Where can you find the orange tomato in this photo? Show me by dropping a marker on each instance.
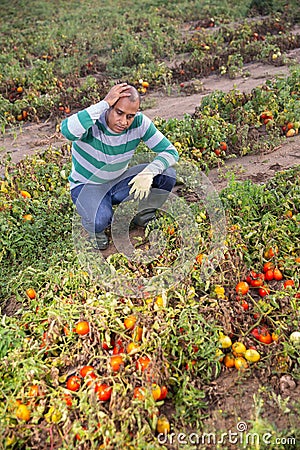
(33, 391)
(142, 363)
(87, 370)
(116, 362)
(130, 322)
(139, 393)
(27, 217)
(145, 84)
(223, 146)
(163, 425)
(137, 334)
(82, 327)
(156, 391)
(19, 89)
(289, 283)
(23, 412)
(275, 336)
(25, 194)
(242, 288)
(31, 293)
(199, 258)
(131, 347)
(271, 252)
(277, 274)
(240, 363)
(229, 360)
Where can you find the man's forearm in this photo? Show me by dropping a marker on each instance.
(75, 126)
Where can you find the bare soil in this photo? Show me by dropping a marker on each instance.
(231, 396)
(36, 137)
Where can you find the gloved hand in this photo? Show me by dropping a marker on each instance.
(141, 184)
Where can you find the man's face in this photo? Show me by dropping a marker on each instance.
(121, 115)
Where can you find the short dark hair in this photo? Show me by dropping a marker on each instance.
(134, 94)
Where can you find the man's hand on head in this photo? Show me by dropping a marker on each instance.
(118, 91)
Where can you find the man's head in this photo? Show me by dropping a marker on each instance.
(121, 115)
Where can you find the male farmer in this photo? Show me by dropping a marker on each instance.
(104, 138)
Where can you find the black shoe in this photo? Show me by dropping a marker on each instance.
(143, 218)
(99, 241)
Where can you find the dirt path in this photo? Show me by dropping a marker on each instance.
(34, 138)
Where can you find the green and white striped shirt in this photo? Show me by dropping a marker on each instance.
(100, 155)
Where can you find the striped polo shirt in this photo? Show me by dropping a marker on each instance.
(100, 155)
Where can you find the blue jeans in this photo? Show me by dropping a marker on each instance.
(94, 202)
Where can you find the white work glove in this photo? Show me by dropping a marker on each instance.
(141, 184)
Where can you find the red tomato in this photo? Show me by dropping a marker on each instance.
(255, 332)
(105, 345)
(73, 383)
(289, 283)
(163, 393)
(252, 276)
(268, 266)
(118, 347)
(245, 305)
(263, 291)
(262, 335)
(103, 391)
(269, 275)
(68, 399)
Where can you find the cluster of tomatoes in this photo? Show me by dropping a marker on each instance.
(117, 351)
(291, 128)
(222, 148)
(259, 281)
(142, 86)
(237, 355)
